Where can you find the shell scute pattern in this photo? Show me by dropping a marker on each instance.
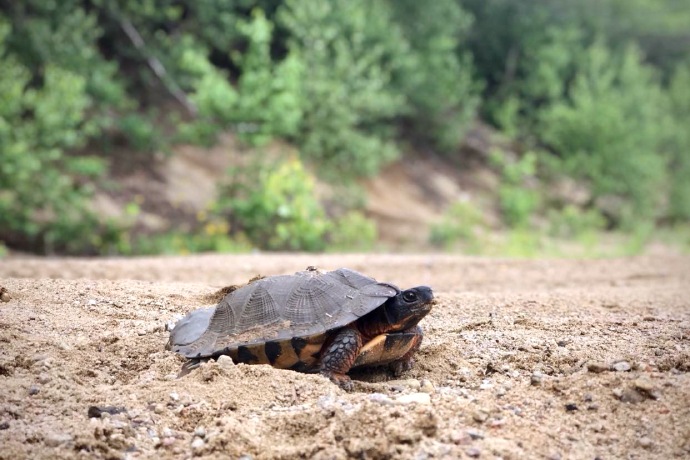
(286, 306)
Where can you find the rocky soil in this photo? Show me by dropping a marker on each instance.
(549, 359)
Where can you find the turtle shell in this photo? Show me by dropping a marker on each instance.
(279, 308)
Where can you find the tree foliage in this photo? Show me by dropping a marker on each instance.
(598, 85)
(610, 130)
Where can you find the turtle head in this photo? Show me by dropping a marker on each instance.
(408, 307)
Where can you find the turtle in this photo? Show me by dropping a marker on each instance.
(313, 321)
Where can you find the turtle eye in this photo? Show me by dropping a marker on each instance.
(409, 296)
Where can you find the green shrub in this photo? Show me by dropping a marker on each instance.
(179, 242)
(270, 99)
(517, 199)
(679, 144)
(140, 132)
(436, 74)
(275, 207)
(608, 132)
(43, 197)
(266, 102)
(352, 232)
(572, 222)
(461, 225)
(350, 49)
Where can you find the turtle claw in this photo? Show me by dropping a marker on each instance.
(401, 366)
(342, 380)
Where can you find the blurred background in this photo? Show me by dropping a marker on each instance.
(497, 127)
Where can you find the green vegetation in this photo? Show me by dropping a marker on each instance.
(518, 199)
(462, 225)
(275, 207)
(593, 91)
(610, 131)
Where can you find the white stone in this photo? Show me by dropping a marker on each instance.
(414, 398)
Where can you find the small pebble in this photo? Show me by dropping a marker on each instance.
(473, 452)
(198, 444)
(645, 442)
(554, 456)
(497, 422)
(200, 432)
(174, 396)
(401, 384)
(621, 366)
(617, 392)
(64, 346)
(380, 398)
(57, 439)
(225, 362)
(414, 398)
(536, 378)
(43, 379)
(141, 332)
(458, 437)
(562, 343)
(597, 367)
(4, 295)
(427, 387)
(4, 425)
(34, 390)
(475, 434)
(632, 396)
(646, 387)
(480, 416)
(159, 408)
(571, 407)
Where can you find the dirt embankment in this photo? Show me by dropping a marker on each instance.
(521, 359)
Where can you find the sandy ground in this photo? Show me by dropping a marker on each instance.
(521, 359)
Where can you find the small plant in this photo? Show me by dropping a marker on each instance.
(461, 225)
(352, 232)
(140, 132)
(518, 201)
(275, 206)
(43, 191)
(178, 242)
(573, 222)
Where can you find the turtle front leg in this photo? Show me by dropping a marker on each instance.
(339, 357)
(405, 363)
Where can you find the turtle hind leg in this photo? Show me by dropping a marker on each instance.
(339, 357)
